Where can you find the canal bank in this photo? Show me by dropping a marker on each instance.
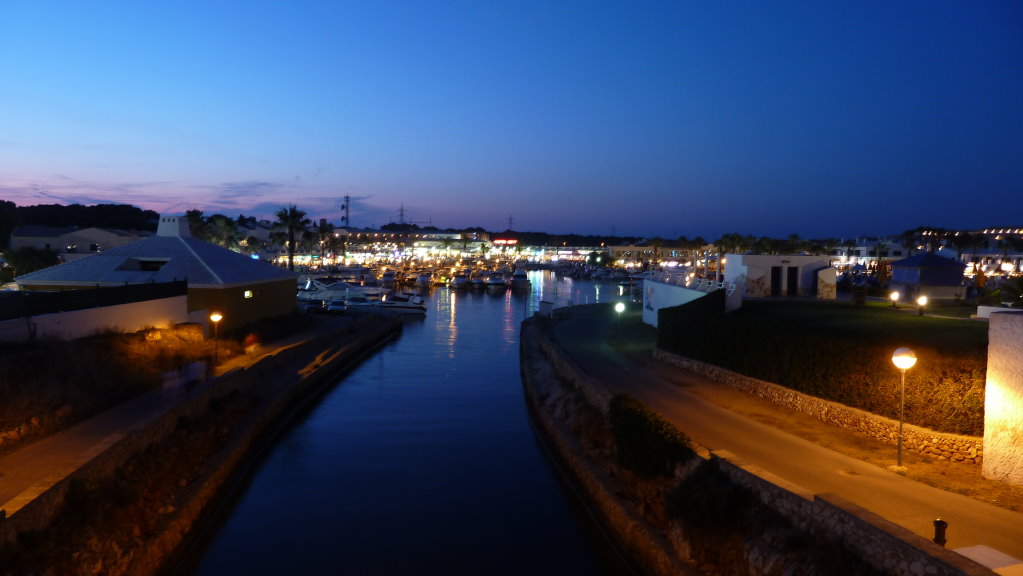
(715, 512)
(423, 462)
(128, 503)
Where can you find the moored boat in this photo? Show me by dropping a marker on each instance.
(519, 279)
(397, 303)
(496, 280)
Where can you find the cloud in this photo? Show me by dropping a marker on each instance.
(249, 189)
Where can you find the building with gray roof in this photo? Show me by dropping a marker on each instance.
(243, 290)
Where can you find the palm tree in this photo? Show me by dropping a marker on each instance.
(291, 223)
(334, 244)
(324, 232)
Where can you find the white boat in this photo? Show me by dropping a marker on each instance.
(397, 304)
(320, 289)
(519, 279)
(478, 280)
(459, 280)
(403, 304)
(496, 280)
(424, 278)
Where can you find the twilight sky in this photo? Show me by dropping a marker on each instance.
(823, 119)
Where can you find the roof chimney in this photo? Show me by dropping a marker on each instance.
(174, 226)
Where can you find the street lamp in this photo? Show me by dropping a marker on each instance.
(895, 298)
(904, 359)
(216, 317)
(619, 308)
(920, 303)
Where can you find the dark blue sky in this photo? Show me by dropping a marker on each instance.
(638, 118)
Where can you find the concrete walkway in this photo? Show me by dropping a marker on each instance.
(33, 469)
(974, 527)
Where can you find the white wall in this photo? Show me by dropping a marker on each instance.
(124, 317)
(1003, 400)
(657, 296)
(757, 269)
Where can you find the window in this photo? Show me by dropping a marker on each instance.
(145, 265)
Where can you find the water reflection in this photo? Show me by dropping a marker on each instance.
(421, 461)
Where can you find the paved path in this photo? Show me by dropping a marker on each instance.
(31, 470)
(900, 500)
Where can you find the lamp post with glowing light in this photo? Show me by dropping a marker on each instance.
(216, 317)
(619, 308)
(904, 359)
(895, 298)
(920, 303)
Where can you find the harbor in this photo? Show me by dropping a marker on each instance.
(422, 460)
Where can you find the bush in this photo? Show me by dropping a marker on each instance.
(646, 443)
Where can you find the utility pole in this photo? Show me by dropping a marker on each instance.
(346, 207)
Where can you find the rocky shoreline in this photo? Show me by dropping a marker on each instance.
(132, 509)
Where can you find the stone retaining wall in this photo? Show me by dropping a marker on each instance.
(545, 385)
(329, 354)
(886, 546)
(939, 445)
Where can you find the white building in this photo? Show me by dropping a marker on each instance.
(773, 275)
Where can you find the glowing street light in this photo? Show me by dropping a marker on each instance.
(920, 303)
(619, 308)
(904, 359)
(216, 317)
(895, 298)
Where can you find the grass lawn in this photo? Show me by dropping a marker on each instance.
(840, 352)
(876, 321)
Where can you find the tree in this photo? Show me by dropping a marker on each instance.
(324, 233)
(252, 245)
(10, 218)
(1012, 291)
(223, 231)
(291, 224)
(334, 244)
(25, 260)
(196, 223)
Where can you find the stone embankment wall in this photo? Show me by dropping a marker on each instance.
(887, 547)
(560, 395)
(290, 378)
(939, 445)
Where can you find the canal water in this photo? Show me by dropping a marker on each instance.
(420, 461)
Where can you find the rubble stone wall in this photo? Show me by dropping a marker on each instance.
(938, 445)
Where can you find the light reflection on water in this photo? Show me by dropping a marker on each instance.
(421, 461)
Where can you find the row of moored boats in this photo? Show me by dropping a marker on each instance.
(359, 289)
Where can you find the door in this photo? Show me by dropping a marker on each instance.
(792, 282)
(775, 280)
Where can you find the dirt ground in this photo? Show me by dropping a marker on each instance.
(965, 479)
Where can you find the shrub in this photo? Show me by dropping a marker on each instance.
(646, 443)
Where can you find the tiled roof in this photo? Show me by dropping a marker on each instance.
(927, 260)
(159, 259)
